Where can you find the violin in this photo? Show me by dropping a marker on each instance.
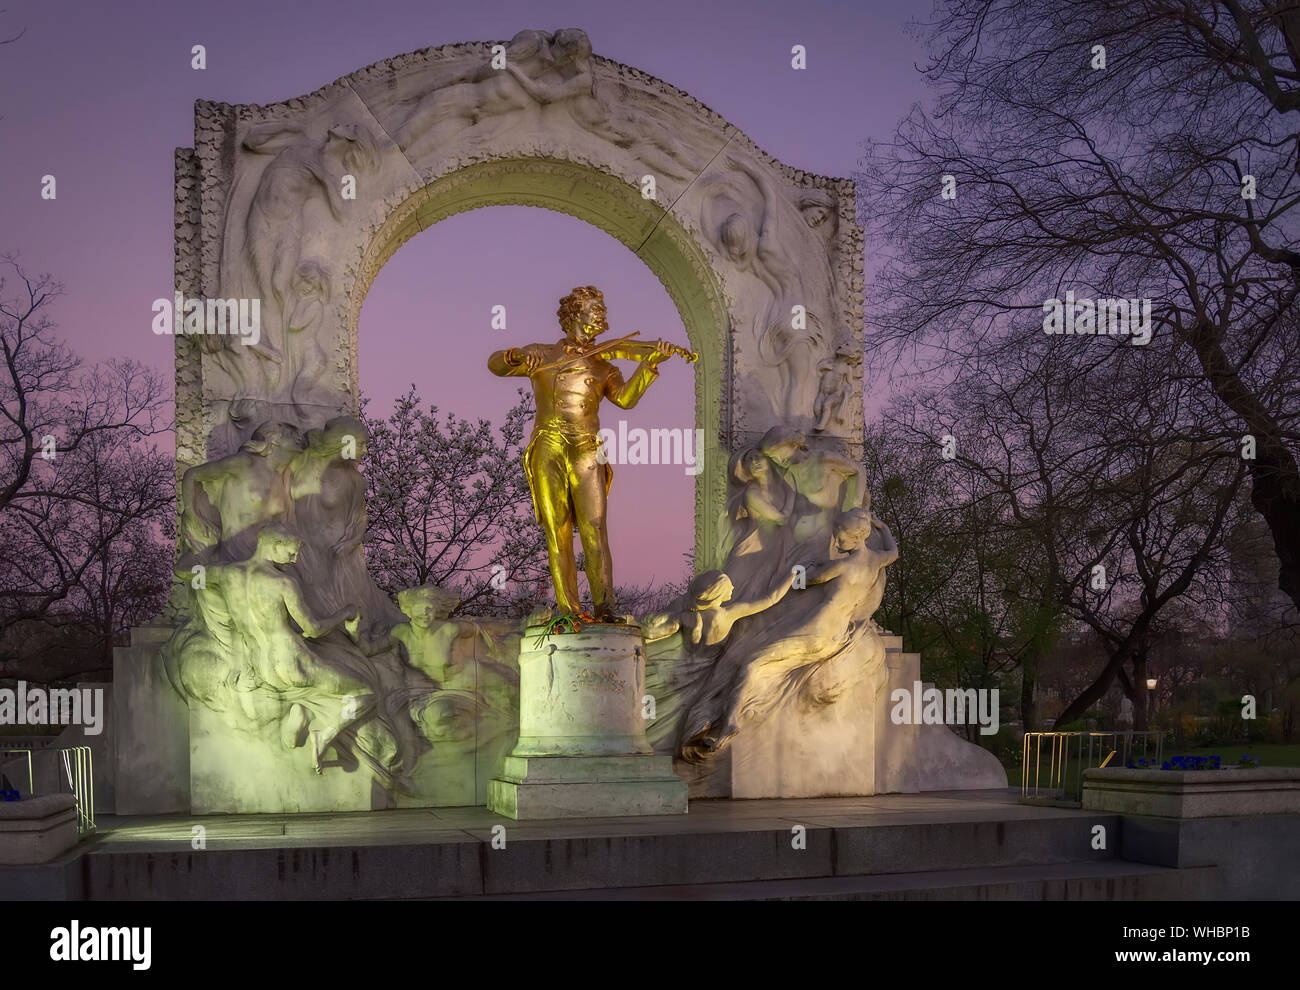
(629, 350)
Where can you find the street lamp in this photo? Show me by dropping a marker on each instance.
(1151, 705)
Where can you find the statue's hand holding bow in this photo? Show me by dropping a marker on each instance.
(519, 357)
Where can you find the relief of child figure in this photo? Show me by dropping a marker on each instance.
(427, 641)
(834, 386)
(706, 614)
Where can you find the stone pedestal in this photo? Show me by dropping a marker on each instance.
(896, 770)
(582, 749)
(919, 758)
(807, 752)
(1230, 792)
(852, 747)
(151, 730)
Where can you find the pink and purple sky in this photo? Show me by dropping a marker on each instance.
(98, 95)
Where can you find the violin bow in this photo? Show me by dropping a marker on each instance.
(595, 348)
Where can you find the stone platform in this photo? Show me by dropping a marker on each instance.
(955, 845)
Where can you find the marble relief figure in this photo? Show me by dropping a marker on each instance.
(796, 644)
(329, 505)
(708, 612)
(760, 506)
(225, 501)
(289, 639)
(465, 688)
(298, 196)
(257, 633)
(753, 222)
(481, 98)
(303, 362)
(566, 78)
(789, 614)
(835, 388)
(288, 635)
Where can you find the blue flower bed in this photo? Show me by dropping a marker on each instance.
(1191, 763)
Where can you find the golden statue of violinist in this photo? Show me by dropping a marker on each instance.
(568, 481)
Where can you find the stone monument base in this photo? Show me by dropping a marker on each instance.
(534, 787)
(850, 748)
(232, 774)
(582, 749)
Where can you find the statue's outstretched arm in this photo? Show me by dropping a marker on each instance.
(890, 544)
(661, 625)
(830, 570)
(742, 609)
(513, 361)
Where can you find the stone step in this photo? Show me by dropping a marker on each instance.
(1104, 881)
(390, 856)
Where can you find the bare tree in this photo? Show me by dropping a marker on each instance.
(1092, 457)
(449, 504)
(966, 591)
(1117, 149)
(111, 545)
(69, 451)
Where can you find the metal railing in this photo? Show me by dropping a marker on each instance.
(26, 751)
(78, 769)
(1058, 773)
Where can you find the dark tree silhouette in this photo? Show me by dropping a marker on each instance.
(1117, 149)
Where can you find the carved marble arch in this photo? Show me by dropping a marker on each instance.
(739, 240)
(621, 211)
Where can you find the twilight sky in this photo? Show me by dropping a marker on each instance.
(98, 95)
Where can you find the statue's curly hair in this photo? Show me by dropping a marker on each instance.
(571, 305)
